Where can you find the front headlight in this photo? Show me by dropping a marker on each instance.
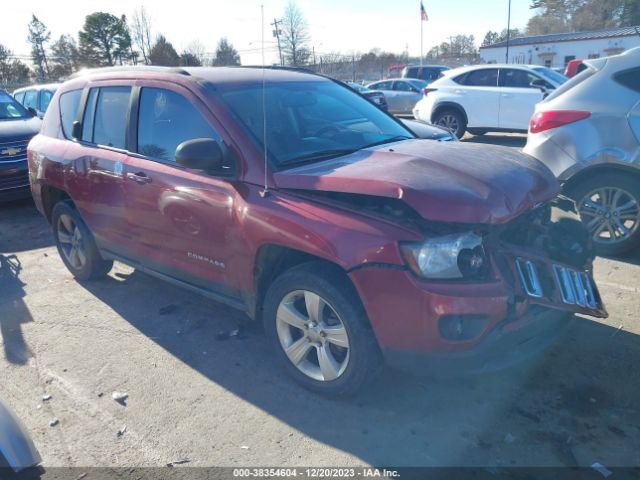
(458, 255)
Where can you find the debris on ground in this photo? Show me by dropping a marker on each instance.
(53, 422)
(235, 333)
(100, 394)
(121, 431)
(81, 476)
(244, 447)
(604, 471)
(508, 438)
(46, 397)
(178, 462)
(120, 397)
(168, 309)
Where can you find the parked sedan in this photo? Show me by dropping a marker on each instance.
(401, 93)
(36, 97)
(592, 143)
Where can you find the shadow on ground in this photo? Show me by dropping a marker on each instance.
(576, 401)
(515, 141)
(29, 229)
(14, 311)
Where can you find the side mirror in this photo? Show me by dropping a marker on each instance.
(539, 84)
(199, 154)
(76, 130)
(32, 111)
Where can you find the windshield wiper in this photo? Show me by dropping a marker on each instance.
(397, 138)
(316, 156)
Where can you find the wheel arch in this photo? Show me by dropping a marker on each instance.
(449, 105)
(50, 196)
(570, 185)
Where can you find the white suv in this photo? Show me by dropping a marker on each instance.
(484, 98)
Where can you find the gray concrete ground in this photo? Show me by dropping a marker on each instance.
(225, 402)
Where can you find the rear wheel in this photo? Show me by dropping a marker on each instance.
(75, 244)
(609, 206)
(451, 119)
(318, 327)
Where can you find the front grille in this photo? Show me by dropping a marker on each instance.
(576, 288)
(571, 287)
(18, 181)
(13, 151)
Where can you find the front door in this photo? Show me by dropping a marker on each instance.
(517, 98)
(181, 218)
(406, 96)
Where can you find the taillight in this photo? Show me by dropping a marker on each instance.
(542, 121)
(426, 90)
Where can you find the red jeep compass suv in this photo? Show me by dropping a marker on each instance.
(289, 196)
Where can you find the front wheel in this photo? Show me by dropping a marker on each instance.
(452, 120)
(609, 206)
(319, 329)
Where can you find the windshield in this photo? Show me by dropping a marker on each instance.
(572, 82)
(10, 109)
(551, 75)
(310, 121)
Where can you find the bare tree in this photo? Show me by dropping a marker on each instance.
(295, 35)
(141, 32)
(196, 50)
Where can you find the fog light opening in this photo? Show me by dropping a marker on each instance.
(459, 328)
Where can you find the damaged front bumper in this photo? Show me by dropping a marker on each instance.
(541, 276)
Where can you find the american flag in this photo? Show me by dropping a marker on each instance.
(423, 13)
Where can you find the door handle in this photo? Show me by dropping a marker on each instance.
(140, 177)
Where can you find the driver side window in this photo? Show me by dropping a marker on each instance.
(166, 119)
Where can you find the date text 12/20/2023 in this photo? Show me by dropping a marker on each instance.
(324, 472)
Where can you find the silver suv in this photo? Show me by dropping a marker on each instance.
(588, 133)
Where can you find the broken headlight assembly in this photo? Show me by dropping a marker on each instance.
(447, 257)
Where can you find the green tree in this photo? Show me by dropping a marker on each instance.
(65, 58)
(189, 60)
(630, 14)
(163, 53)
(490, 38)
(226, 54)
(104, 40)
(38, 36)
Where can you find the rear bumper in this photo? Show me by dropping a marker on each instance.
(510, 343)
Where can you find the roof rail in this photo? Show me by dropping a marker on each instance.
(280, 67)
(129, 68)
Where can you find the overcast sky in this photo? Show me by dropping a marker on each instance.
(335, 25)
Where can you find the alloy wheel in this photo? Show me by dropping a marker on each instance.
(312, 335)
(71, 241)
(449, 121)
(611, 214)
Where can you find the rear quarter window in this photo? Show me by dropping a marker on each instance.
(572, 82)
(69, 103)
(629, 79)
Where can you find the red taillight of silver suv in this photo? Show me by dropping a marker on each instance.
(542, 121)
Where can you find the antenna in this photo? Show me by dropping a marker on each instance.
(265, 192)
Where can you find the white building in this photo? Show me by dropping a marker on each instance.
(557, 50)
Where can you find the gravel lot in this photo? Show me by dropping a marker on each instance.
(195, 397)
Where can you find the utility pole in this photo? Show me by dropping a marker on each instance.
(508, 32)
(276, 33)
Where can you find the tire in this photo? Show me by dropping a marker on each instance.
(477, 133)
(451, 119)
(71, 233)
(611, 192)
(291, 291)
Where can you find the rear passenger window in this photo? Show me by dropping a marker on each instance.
(487, 77)
(31, 99)
(69, 103)
(110, 123)
(166, 119)
(630, 79)
(45, 100)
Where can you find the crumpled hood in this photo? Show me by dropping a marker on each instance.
(447, 182)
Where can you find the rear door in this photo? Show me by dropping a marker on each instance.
(406, 96)
(479, 95)
(386, 87)
(181, 218)
(517, 98)
(99, 159)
